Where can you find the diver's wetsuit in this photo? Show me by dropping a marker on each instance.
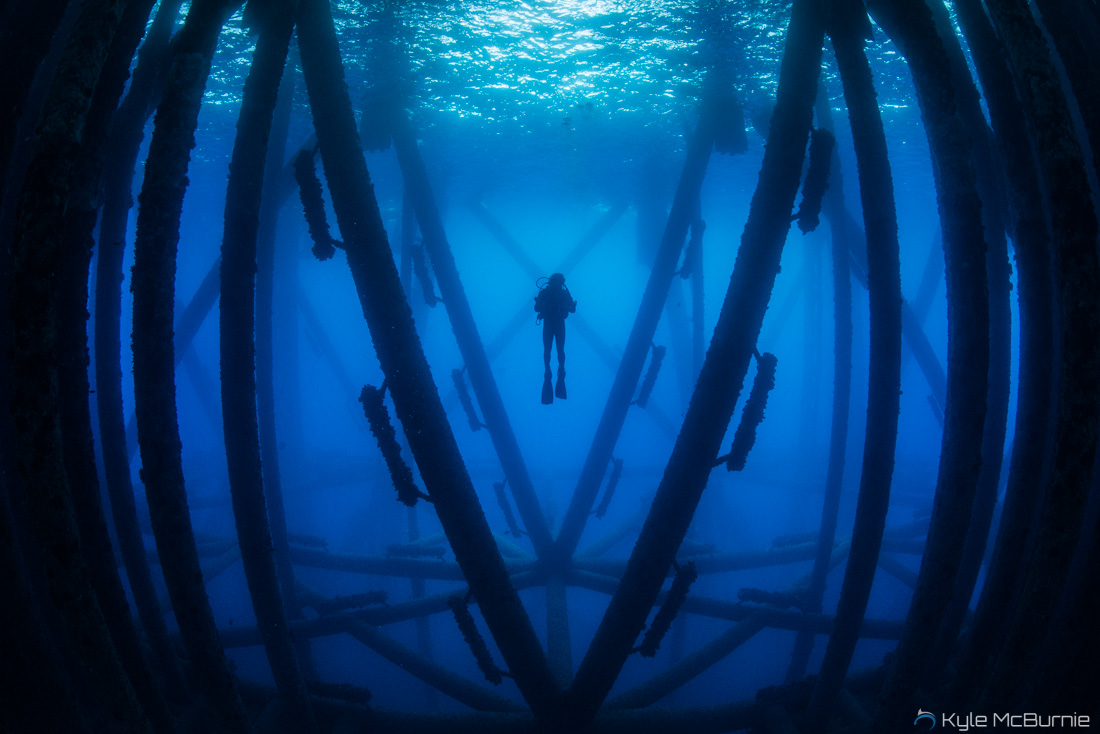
(553, 304)
(553, 328)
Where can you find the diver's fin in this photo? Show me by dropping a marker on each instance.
(547, 390)
(559, 389)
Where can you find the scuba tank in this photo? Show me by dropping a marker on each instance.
(553, 299)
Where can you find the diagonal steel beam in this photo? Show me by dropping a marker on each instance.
(466, 334)
(724, 368)
(911, 329)
(402, 359)
(442, 679)
(523, 314)
(377, 616)
(641, 336)
(522, 317)
(670, 679)
(322, 344)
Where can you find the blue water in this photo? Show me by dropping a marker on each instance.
(548, 113)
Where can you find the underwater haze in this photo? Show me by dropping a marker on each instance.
(643, 150)
(546, 116)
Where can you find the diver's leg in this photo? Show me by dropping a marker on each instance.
(547, 341)
(559, 335)
(559, 330)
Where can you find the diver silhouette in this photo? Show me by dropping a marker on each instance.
(553, 304)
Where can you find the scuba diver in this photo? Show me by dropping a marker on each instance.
(553, 304)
